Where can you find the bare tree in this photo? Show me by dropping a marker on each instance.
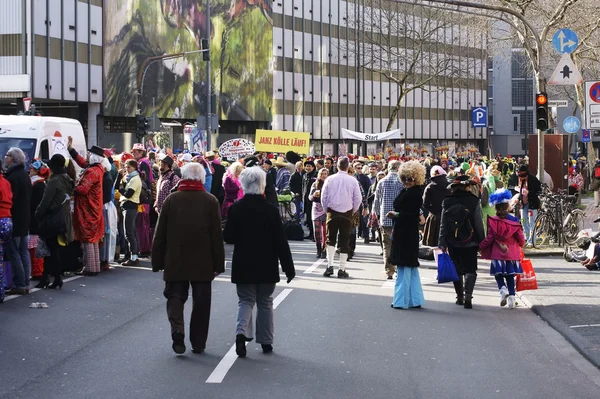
(409, 46)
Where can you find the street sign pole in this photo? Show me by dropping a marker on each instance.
(208, 82)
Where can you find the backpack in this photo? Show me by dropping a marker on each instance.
(459, 227)
(293, 231)
(597, 172)
(145, 194)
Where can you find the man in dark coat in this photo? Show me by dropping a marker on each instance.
(216, 188)
(270, 192)
(307, 181)
(17, 253)
(253, 223)
(296, 187)
(462, 202)
(188, 246)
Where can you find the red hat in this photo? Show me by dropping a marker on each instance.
(108, 152)
(126, 157)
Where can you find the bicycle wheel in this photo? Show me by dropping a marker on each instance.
(572, 225)
(542, 231)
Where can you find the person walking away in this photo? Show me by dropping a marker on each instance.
(308, 180)
(38, 173)
(130, 191)
(434, 195)
(270, 191)
(232, 187)
(529, 189)
(502, 246)
(357, 216)
(109, 213)
(461, 231)
(319, 216)
(296, 188)
(88, 218)
(17, 253)
(167, 181)
(373, 223)
(5, 224)
(408, 292)
(255, 223)
(58, 193)
(188, 246)
(340, 198)
(217, 181)
(387, 190)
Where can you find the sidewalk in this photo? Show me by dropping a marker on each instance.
(568, 299)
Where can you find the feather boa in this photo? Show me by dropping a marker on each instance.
(500, 196)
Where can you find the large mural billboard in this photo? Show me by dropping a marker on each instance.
(241, 39)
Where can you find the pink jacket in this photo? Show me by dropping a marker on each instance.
(504, 240)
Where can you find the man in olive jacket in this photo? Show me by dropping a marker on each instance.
(188, 246)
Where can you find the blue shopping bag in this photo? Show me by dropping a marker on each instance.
(446, 269)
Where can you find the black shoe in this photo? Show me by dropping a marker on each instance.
(367, 241)
(57, 284)
(343, 274)
(381, 254)
(267, 348)
(337, 251)
(323, 255)
(240, 345)
(460, 301)
(390, 277)
(44, 283)
(351, 255)
(194, 350)
(468, 304)
(328, 272)
(131, 263)
(319, 254)
(178, 343)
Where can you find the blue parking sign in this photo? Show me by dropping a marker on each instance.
(479, 117)
(585, 136)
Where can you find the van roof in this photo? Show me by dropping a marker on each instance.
(29, 125)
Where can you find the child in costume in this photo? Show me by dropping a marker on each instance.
(502, 246)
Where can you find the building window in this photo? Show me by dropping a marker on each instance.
(520, 97)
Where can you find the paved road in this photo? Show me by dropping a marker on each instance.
(108, 337)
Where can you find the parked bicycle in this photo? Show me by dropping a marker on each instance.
(559, 220)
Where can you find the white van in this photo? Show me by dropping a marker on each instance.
(40, 136)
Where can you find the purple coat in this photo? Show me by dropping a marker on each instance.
(504, 240)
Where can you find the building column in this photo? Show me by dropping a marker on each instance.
(92, 121)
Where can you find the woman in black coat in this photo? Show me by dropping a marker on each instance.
(408, 292)
(255, 229)
(38, 172)
(434, 195)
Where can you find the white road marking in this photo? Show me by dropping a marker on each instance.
(389, 284)
(586, 325)
(314, 266)
(32, 290)
(219, 373)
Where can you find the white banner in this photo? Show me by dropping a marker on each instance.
(350, 135)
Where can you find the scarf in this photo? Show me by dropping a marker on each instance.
(131, 176)
(191, 185)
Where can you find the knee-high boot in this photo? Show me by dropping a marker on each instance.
(470, 279)
(319, 249)
(459, 288)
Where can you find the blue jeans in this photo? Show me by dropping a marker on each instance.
(18, 255)
(528, 222)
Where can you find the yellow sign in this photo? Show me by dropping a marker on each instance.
(281, 141)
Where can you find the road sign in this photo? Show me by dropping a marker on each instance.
(565, 41)
(558, 103)
(571, 124)
(566, 73)
(26, 104)
(479, 117)
(586, 136)
(592, 105)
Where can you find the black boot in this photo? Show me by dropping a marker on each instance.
(458, 287)
(44, 281)
(319, 250)
(470, 279)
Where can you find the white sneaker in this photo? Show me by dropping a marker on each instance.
(503, 296)
(511, 302)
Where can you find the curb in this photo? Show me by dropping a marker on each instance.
(543, 254)
(580, 343)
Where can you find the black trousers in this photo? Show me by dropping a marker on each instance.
(177, 293)
(308, 213)
(464, 259)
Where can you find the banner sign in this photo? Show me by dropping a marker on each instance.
(391, 135)
(232, 150)
(282, 141)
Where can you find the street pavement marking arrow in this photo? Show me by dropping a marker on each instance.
(566, 73)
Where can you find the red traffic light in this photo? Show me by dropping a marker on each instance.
(541, 99)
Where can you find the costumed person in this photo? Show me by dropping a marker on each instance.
(88, 217)
(130, 193)
(38, 172)
(143, 219)
(508, 170)
(110, 216)
(502, 246)
(408, 292)
(319, 216)
(595, 184)
(232, 187)
(5, 224)
(434, 195)
(58, 193)
(491, 183)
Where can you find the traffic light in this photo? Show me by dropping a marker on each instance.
(141, 125)
(541, 111)
(205, 54)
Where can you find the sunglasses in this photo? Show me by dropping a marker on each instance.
(405, 179)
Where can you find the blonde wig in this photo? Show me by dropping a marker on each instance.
(414, 170)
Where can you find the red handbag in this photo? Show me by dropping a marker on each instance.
(527, 280)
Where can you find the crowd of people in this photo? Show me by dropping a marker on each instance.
(80, 214)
